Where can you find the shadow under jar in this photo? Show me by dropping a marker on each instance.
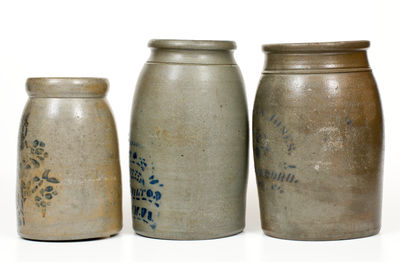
(69, 181)
(318, 142)
(189, 142)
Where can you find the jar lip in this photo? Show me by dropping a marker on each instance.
(192, 44)
(317, 47)
(66, 87)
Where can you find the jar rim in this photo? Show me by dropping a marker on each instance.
(78, 87)
(319, 47)
(192, 44)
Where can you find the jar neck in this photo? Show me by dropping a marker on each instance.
(181, 56)
(316, 61)
(334, 56)
(192, 52)
(61, 87)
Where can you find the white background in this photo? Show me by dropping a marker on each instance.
(109, 39)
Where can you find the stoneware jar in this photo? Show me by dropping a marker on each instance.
(318, 142)
(69, 181)
(189, 142)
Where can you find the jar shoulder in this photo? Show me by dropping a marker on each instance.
(313, 89)
(68, 109)
(189, 74)
(67, 120)
(176, 89)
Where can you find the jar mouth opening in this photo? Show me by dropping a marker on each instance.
(192, 44)
(317, 47)
(78, 87)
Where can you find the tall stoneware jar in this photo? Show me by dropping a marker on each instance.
(69, 181)
(318, 142)
(189, 142)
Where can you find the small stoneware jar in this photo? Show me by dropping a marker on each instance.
(318, 142)
(189, 142)
(69, 181)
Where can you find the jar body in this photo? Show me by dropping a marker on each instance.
(69, 181)
(189, 151)
(318, 152)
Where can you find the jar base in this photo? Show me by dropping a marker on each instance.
(328, 237)
(83, 237)
(188, 236)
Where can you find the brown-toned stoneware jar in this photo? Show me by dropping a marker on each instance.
(69, 181)
(318, 142)
(189, 142)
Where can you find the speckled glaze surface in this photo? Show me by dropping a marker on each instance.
(189, 142)
(69, 181)
(318, 142)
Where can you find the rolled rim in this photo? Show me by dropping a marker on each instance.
(192, 44)
(66, 86)
(317, 47)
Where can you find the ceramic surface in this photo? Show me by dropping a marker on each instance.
(318, 142)
(189, 142)
(69, 181)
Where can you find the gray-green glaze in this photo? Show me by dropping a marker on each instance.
(189, 142)
(318, 142)
(69, 181)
